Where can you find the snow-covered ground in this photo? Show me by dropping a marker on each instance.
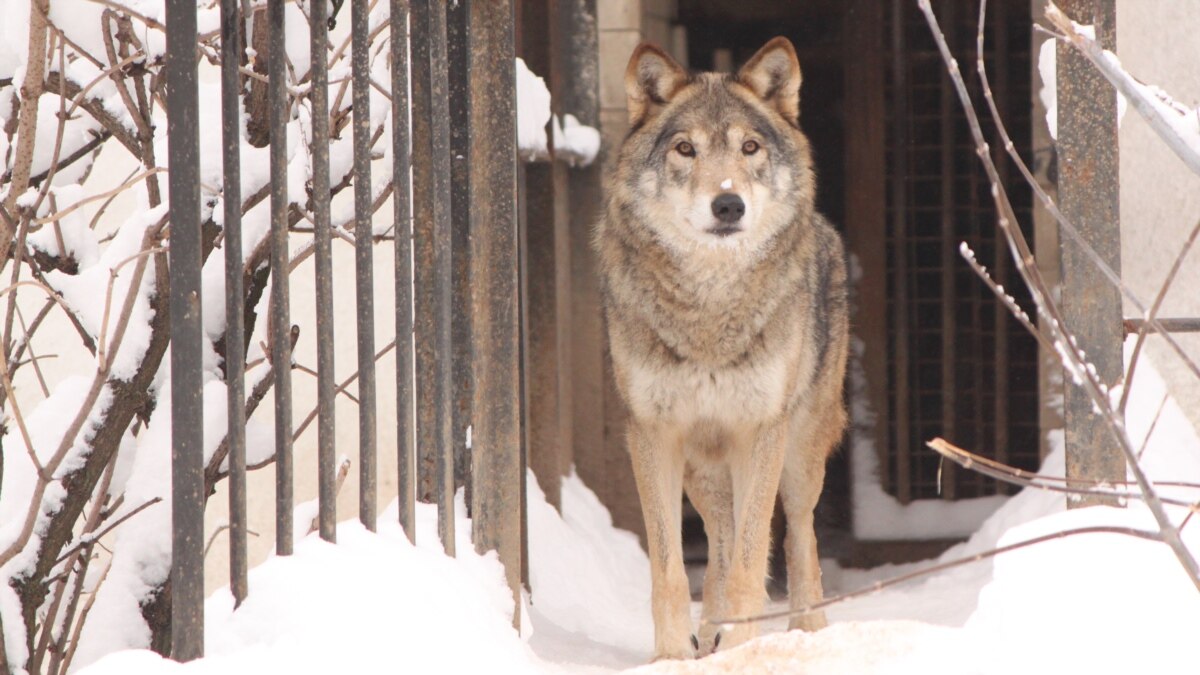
(1100, 603)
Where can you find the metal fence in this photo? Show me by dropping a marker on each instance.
(457, 228)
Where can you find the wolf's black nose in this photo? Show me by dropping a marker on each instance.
(728, 208)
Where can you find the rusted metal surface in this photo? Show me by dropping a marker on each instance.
(363, 269)
(187, 337)
(497, 446)
(323, 254)
(235, 325)
(545, 223)
(1089, 196)
(433, 277)
(579, 95)
(402, 216)
(280, 323)
(457, 49)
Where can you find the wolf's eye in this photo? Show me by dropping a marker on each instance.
(686, 149)
(750, 147)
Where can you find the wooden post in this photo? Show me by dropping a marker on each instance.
(900, 303)
(866, 199)
(1088, 189)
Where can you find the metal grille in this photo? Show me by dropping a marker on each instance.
(456, 341)
(961, 368)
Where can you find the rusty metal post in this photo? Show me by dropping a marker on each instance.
(497, 446)
(187, 335)
(545, 241)
(457, 49)
(578, 53)
(235, 324)
(280, 323)
(433, 277)
(402, 215)
(323, 240)
(363, 268)
(1089, 192)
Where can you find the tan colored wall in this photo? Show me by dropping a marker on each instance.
(1160, 197)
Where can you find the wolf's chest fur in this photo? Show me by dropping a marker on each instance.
(713, 345)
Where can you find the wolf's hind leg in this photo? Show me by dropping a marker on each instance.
(658, 469)
(711, 491)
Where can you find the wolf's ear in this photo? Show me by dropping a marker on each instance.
(651, 80)
(774, 75)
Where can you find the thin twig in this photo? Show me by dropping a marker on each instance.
(88, 540)
(1152, 313)
(1015, 476)
(934, 569)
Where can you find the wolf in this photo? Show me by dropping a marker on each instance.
(724, 294)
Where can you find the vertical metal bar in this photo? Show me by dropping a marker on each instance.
(1003, 260)
(402, 214)
(457, 46)
(948, 118)
(542, 195)
(187, 411)
(433, 274)
(280, 323)
(323, 254)
(235, 328)
(589, 407)
(363, 272)
(1089, 195)
(900, 300)
(494, 273)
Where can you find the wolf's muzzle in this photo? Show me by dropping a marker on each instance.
(728, 208)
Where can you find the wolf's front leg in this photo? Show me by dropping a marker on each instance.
(658, 468)
(755, 472)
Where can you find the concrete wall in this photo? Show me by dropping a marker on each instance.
(1160, 197)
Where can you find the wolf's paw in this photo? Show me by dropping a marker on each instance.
(708, 643)
(683, 651)
(732, 637)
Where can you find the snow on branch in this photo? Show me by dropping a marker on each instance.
(1175, 123)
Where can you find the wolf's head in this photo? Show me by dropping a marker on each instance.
(713, 160)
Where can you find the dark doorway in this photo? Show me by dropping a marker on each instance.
(898, 175)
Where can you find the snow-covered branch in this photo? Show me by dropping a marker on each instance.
(1176, 124)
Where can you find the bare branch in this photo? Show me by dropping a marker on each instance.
(934, 569)
(1153, 312)
(1015, 476)
(1161, 112)
(1065, 224)
(1068, 351)
(31, 91)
